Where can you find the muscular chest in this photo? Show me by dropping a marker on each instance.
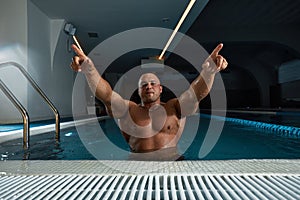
(159, 119)
(144, 123)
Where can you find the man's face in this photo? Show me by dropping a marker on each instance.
(149, 88)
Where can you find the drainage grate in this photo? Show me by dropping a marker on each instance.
(150, 187)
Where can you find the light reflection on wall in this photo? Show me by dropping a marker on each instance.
(14, 80)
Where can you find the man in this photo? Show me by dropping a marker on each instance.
(153, 125)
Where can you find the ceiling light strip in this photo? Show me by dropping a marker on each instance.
(187, 10)
(77, 43)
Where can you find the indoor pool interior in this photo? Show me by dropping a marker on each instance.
(251, 160)
(239, 139)
(237, 61)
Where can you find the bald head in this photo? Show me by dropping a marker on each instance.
(149, 88)
(148, 77)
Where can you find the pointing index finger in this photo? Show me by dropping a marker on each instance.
(216, 51)
(77, 50)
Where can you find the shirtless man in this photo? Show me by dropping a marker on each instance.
(151, 125)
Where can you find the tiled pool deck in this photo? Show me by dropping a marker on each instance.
(27, 167)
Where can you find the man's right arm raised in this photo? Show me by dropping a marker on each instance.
(116, 106)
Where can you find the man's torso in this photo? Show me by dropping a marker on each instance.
(147, 131)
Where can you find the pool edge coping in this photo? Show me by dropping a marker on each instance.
(110, 167)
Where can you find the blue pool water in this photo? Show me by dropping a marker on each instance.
(19, 126)
(235, 142)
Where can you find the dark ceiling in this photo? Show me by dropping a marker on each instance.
(250, 29)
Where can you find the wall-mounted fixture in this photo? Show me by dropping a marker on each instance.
(70, 29)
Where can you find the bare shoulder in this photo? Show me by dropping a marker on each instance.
(172, 102)
(131, 105)
(173, 105)
(128, 106)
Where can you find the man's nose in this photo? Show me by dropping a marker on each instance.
(149, 85)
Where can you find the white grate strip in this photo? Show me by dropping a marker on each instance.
(143, 187)
(269, 193)
(37, 187)
(93, 188)
(134, 187)
(232, 186)
(284, 188)
(296, 180)
(111, 188)
(249, 190)
(215, 180)
(119, 188)
(196, 188)
(127, 188)
(149, 190)
(180, 188)
(288, 184)
(166, 187)
(157, 187)
(212, 188)
(204, 188)
(72, 189)
(105, 187)
(84, 188)
(271, 186)
(18, 184)
(189, 187)
(173, 188)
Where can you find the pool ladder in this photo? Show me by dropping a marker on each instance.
(20, 107)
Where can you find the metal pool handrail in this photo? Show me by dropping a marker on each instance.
(38, 89)
(22, 110)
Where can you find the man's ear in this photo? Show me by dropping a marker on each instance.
(160, 89)
(139, 92)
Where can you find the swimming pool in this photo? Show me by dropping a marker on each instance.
(237, 141)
